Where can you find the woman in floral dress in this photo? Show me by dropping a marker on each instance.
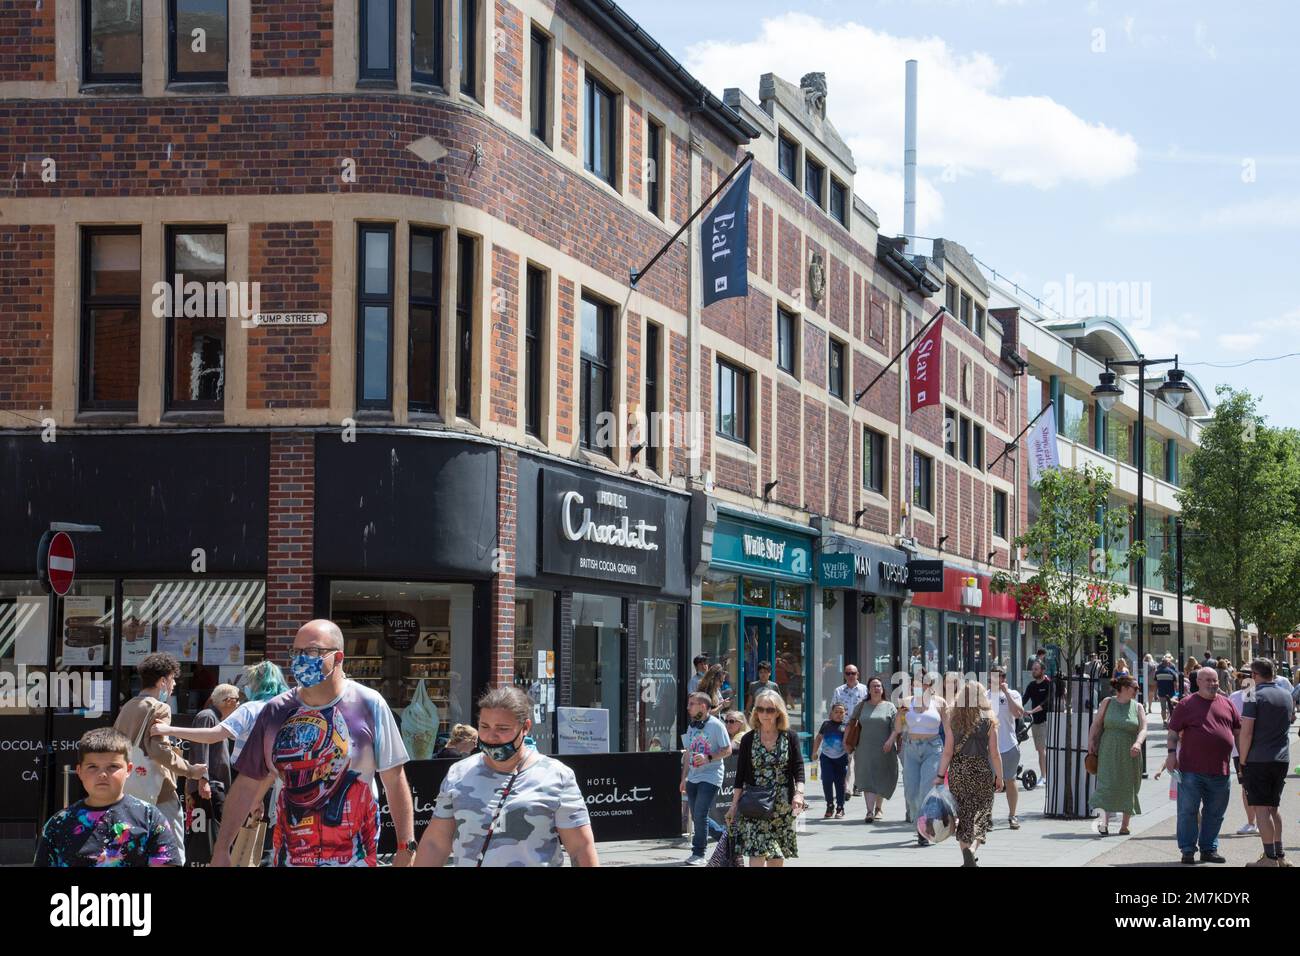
(769, 757)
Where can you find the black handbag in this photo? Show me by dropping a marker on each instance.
(757, 803)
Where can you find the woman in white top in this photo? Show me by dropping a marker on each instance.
(923, 721)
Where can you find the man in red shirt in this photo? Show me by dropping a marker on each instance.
(1202, 730)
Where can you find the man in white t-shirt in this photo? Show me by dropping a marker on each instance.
(1007, 707)
(851, 693)
(1238, 700)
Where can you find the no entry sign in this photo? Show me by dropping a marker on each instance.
(61, 563)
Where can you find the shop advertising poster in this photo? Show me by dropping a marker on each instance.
(178, 635)
(85, 631)
(31, 644)
(137, 635)
(223, 633)
(583, 730)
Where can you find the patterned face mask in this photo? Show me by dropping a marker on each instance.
(308, 671)
(500, 752)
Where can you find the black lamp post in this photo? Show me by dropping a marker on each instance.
(1107, 392)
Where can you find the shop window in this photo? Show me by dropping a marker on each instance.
(654, 194)
(814, 178)
(536, 670)
(112, 44)
(835, 378)
(922, 639)
(873, 461)
(196, 325)
(876, 630)
(378, 20)
(597, 384)
(534, 339)
(756, 592)
(719, 638)
(719, 587)
(836, 605)
(732, 413)
(424, 321)
(923, 481)
(789, 669)
(601, 130)
(840, 202)
(467, 258)
(787, 339)
(469, 47)
(787, 158)
(599, 661)
(426, 42)
(374, 315)
(539, 85)
(650, 376)
(790, 597)
(659, 699)
(1000, 513)
(412, 642)
(110, 319)
(197, 32)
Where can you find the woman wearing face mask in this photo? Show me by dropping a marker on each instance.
(508, 805)
(158, 673)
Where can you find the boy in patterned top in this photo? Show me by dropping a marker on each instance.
(108, 828)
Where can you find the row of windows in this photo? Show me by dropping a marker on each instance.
(963, 439)
(963, 308)
(923, 492)
(787, 353)
(815, 180)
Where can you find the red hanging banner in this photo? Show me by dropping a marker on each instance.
(925, 368)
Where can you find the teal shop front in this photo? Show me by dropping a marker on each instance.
(756, 607)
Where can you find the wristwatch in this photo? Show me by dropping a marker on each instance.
(410, 846)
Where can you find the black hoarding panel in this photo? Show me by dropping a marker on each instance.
(405, 505)
(156, 497)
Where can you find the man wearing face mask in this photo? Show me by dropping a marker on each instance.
(508, 805)
(158, 673)
(326, 740)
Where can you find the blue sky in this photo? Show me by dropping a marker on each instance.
(1067, 141)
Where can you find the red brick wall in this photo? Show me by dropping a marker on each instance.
(789, 256)
(291, 38)
(769, 472)
(635, 159)
(814, 445)
(290, 539)
(26, 317)
(289, 366)
(509, 59)
(569, 102)
(27, 40)
(503, 350)
(814, 355)
(565, 344)
(679, 374)
(789, 444)
(706, 406)
(734, 474)
(767, 243)
(839, 466)
(633, 363)
(503, 582)
(680, 176)
(746, 321)
(838, 289)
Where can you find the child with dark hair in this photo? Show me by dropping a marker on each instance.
(108, 827)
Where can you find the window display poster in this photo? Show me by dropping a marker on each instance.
(223, 632)
(137, 634)
(178, 635)
(85, 630)
(33, 636)
(583, 730)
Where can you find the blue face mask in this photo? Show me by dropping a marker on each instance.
(164, 695)
(500, 752)
(309, 671)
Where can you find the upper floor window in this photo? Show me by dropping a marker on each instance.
(979, 321)
(112, 41)
(814, 176)
(652, 392)
(950, 429)
(198, 30)
(539, 90)
(965, 439)
(787, 339)
(426, 42)
(466, 256)
(600, 129)
(950, 300)
(110, 319)
(787, 158)
(923, 481)
(597, 385)
(835, 367)
(534, 336)
(873, 460)
(840, 202)
(378, 40)
(977, 452)
(654, 194)
(733, 402)
(424, 321)
(196, 333)
(374, 316)
(1000, 513)
(965, 310)
(469, 47)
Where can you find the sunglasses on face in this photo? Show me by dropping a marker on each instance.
(765, 710)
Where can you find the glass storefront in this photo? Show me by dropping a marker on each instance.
(600, 659)
(836, 606)
(412, 642)
(534, 638)
(876, 634)
(922, 639)
(657, 702)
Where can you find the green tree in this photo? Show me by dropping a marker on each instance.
(1070, 594)
(1239, 496)
(1275, 606)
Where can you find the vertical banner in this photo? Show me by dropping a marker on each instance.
(925, 368)
(724, 234)
(1043, 452)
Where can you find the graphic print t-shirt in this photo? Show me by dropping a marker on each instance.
(708, 740)
(544, 800)
(326, 758)
(832, 739)
(127, 833)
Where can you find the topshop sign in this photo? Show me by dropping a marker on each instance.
(592, 529)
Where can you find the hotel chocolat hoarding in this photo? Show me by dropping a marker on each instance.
(597, 529)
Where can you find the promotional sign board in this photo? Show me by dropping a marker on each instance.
(601, 530)
(583, 730)
(85, 630)
(925, 575)
(836, 570)
(1155, 605)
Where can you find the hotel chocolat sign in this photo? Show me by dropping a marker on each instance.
(595, 529)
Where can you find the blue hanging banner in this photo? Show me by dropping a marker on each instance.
(725, 241)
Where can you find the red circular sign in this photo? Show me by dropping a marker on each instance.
(61, 564)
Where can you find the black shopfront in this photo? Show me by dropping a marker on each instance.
(864, 586)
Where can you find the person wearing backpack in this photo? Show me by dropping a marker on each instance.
(158, 673)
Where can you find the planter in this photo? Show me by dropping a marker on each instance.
(1069, 785)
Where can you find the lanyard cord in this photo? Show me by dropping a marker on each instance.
(492, 825)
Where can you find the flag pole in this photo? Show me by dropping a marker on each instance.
(1015, 441)
(921, 331)
(637, 274)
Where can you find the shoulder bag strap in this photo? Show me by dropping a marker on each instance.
(487, 840)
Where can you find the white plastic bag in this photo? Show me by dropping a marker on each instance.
(938, 816)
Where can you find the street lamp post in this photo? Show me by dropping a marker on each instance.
(1107, 392)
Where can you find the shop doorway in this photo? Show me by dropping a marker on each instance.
(758, 647)
(600, 659)
(968, 648)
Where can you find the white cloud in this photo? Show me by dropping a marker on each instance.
(1129, 23)
(1176, 334)
(966, 125)
(1202, 34)
(1273, 212)
(1239, 341)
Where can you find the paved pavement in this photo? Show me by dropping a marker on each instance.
(1039, 841)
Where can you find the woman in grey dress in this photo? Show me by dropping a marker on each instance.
(876, 753)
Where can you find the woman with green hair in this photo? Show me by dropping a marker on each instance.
(261, 683)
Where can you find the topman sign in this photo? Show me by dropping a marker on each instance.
(876, 569)
(595, 529)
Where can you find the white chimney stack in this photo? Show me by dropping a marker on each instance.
(909, 157)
